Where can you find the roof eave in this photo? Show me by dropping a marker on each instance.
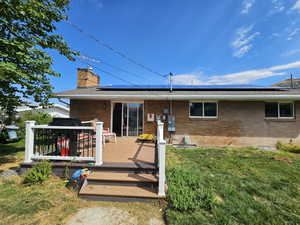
(181, 97)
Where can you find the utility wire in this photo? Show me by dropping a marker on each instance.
(113, 49)
(113, 75)
(98, 61)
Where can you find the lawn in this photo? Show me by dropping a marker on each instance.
(51, 202)
(232, 186)
(11, 155)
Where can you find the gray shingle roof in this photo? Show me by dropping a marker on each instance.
(96, 93)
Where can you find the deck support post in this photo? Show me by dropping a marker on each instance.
(99, 144)
(29, 140)
(162, 166)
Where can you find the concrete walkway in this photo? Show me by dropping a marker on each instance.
(108, 216)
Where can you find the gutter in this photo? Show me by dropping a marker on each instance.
(182, 97)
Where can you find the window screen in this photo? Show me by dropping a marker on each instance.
(210, 109)
(196, 109)
(279, 110)
(286, 109)
(271, 109)
(203, 109)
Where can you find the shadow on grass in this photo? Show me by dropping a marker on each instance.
(11, 148)
(11, 154)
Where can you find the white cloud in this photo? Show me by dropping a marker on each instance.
(87, 58)
(296, 6)
(278, 6)
(274, 35)
(247, 5)
(244, 77)
(291, 52)
(243, 38)
(293, 33)
(188, 79)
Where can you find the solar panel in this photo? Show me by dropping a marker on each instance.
(185, 87)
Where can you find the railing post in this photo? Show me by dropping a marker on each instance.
(29, 139)
(160, 136)
(160, 130)
(161, 169)
(99, 144)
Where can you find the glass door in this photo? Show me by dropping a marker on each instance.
(133, 118)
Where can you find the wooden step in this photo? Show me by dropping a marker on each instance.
(118, 193)
(121, 178)
(59, 168)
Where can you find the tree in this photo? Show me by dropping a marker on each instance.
(26, 31)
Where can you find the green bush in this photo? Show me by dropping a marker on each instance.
(288, 147)
(38, 174)
(185, 192)
(4, 136)
(39, 117)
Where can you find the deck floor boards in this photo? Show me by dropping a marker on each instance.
(127, 150)
(119, 191)
(127, 177)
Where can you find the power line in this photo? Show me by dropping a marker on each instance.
(113, 75)
(114, 50)
(94, 60)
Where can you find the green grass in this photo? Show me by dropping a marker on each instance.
(237, 186)
(11, 155)
(47, 203)
(50, 202)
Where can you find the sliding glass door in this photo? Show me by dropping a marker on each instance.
(132, 119)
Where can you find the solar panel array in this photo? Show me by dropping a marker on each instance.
(186, 87)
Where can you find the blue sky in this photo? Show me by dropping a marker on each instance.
(201, 42)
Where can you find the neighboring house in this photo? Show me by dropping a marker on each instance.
(288, 83)
(55, 110)
(205, 115)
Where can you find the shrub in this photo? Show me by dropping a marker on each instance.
(4, 136)
(38, 174)
(38, 116)
(185, 192)
(288, 147)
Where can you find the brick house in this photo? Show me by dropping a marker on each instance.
(205, 115)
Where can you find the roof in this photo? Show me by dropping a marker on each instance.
(28, 107)
(288, 83)
(182, 93)
(185, 87)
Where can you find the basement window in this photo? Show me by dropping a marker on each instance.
(284, 110)
(203, 110)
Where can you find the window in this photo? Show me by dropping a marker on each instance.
(279, 110)
(203, 109)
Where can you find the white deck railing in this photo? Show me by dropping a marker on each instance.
(31, 155)
(161, 148)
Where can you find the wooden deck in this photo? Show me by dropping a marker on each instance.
(127, 150)
(128, 172)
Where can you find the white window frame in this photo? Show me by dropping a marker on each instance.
(203, 116)
(278, 108)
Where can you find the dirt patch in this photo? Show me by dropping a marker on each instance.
(107, 215)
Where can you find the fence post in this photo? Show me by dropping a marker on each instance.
(29, 139)
(161, 169)
(99, 144)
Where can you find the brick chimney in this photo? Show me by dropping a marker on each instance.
(86, 78)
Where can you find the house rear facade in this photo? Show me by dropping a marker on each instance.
(202, 115)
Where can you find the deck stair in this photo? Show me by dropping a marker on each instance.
(120, 186)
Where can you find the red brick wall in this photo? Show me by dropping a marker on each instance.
(91, 109)
(238, 123)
